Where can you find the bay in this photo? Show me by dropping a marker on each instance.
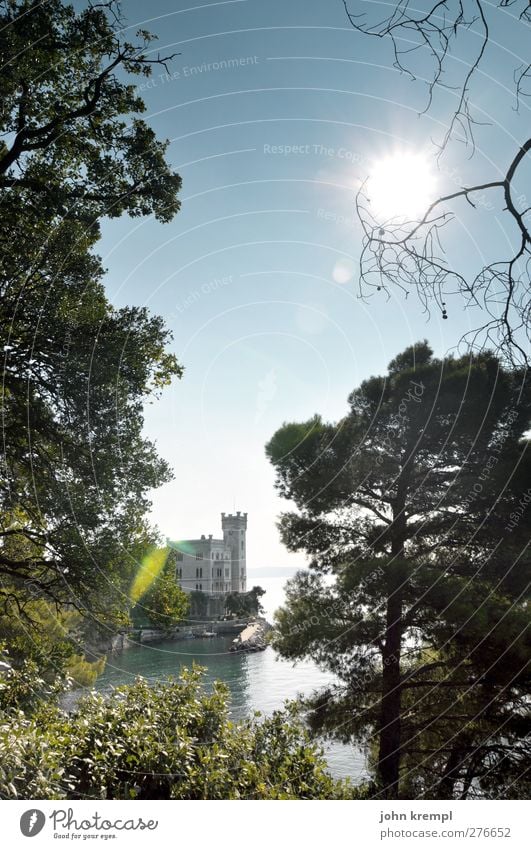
(256, 682)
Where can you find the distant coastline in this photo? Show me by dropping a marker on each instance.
(274, 572)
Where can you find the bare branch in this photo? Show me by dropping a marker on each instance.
(410, 30)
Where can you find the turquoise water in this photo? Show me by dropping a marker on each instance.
(259, 681)
(256, 681)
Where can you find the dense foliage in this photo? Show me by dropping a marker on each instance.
(77, 468)
(245, 604)
(407, 504)
(169, 740)
(74, 144)
(165, 603)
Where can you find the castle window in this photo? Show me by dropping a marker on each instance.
(198, 555)
(179, 555)
(201, 586)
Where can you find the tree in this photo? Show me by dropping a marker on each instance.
(77, 148)
(412, 254)
(405, 502)
(165, 603)
(168, 740)
(245, 604)
(76, 371)
(198, 604)
(77, 465)
(44, 654)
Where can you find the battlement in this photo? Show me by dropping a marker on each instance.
(234, 520)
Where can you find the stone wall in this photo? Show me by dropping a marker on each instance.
(141, 636)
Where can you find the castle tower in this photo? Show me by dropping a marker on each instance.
(234, 529)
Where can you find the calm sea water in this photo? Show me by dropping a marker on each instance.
(259, 681)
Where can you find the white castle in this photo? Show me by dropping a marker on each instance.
(215, 567)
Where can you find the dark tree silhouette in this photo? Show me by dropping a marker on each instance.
(407, 505)
(76, 372)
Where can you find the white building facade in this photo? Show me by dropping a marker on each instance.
(215, 567)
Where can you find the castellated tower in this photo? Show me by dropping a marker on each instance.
(234, 529)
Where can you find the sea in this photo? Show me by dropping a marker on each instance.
(256, 682)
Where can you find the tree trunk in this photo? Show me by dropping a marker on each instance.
(390, 736)
(452, 769)
(390, 709)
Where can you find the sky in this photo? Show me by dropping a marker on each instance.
(275, 113)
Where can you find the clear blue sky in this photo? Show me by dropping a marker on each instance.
(250, 275)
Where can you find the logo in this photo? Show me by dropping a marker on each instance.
(32, 822)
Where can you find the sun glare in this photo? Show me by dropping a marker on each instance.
(150, 568)
(401, 185)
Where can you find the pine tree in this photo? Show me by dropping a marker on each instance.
(405, 502)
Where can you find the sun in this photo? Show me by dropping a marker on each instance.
(401, 186)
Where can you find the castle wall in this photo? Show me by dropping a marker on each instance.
(203, 564)
(214, 566)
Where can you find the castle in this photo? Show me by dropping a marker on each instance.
(215, 567)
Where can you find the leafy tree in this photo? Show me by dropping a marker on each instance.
(405, 502)
(167, 740)
(76, 371)
(466, 729)
(198, 603)
(44, 651)
(413, 254)
(245, 604)
(165, 603)
(70, 109)
(78, 467)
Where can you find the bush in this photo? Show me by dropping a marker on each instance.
(170, 740)
(41, 649)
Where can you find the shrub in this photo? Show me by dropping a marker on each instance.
(169, 740)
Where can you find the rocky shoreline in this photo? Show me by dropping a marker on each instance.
(253, 638)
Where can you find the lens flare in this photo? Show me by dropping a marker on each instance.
(343, 271)
(150, 569)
